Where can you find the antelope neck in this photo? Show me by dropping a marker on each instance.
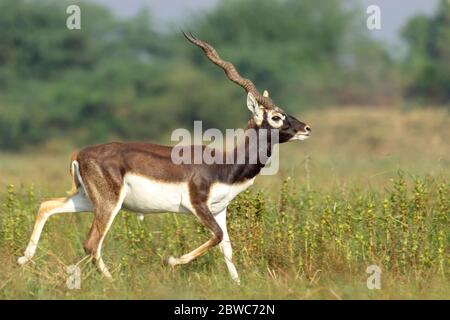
(261, 151)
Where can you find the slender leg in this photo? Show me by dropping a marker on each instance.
(103, 219)
(206, 217)
(225, 245)
(76, 203)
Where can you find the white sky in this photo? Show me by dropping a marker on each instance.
(394, 13)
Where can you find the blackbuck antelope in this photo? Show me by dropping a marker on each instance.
(143, 178)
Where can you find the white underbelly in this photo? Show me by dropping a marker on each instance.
(145, 195)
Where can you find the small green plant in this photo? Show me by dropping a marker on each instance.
(300, 235)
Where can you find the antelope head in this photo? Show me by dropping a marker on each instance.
(265, 113)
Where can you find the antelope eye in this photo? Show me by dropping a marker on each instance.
(276, 118)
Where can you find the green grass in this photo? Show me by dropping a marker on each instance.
(305, 244)
(338, 205)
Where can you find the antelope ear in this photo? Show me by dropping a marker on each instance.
(266, 94)
(255, 108)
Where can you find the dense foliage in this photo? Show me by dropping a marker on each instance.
(428, 62)
(119, 78)
(293, 246)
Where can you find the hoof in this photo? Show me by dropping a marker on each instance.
(103, 269)
(172, 261)
(107, 276)
(22, 260)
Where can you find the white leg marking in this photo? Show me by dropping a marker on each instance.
(103, 269)
(76, 203)
(172, 261)
(225, 245)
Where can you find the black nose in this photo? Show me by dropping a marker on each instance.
(308, 128)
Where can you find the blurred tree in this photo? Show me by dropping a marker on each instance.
(120, 79)
(304, 52)
(59, 80)
(428, 62)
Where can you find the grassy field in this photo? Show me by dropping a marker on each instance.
(369, 188)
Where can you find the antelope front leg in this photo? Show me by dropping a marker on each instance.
(225, 246)
(206, 217)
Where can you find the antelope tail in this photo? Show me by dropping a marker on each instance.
(75, 173)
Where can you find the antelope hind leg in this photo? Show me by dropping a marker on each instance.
(75, 203)
(103, 219)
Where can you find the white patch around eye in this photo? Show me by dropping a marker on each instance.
(275, 123)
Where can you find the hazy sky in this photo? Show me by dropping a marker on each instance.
(394, 13)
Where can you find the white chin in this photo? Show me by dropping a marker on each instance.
(299, 137)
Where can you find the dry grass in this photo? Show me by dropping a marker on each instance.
(309, 237)
(348, 145)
